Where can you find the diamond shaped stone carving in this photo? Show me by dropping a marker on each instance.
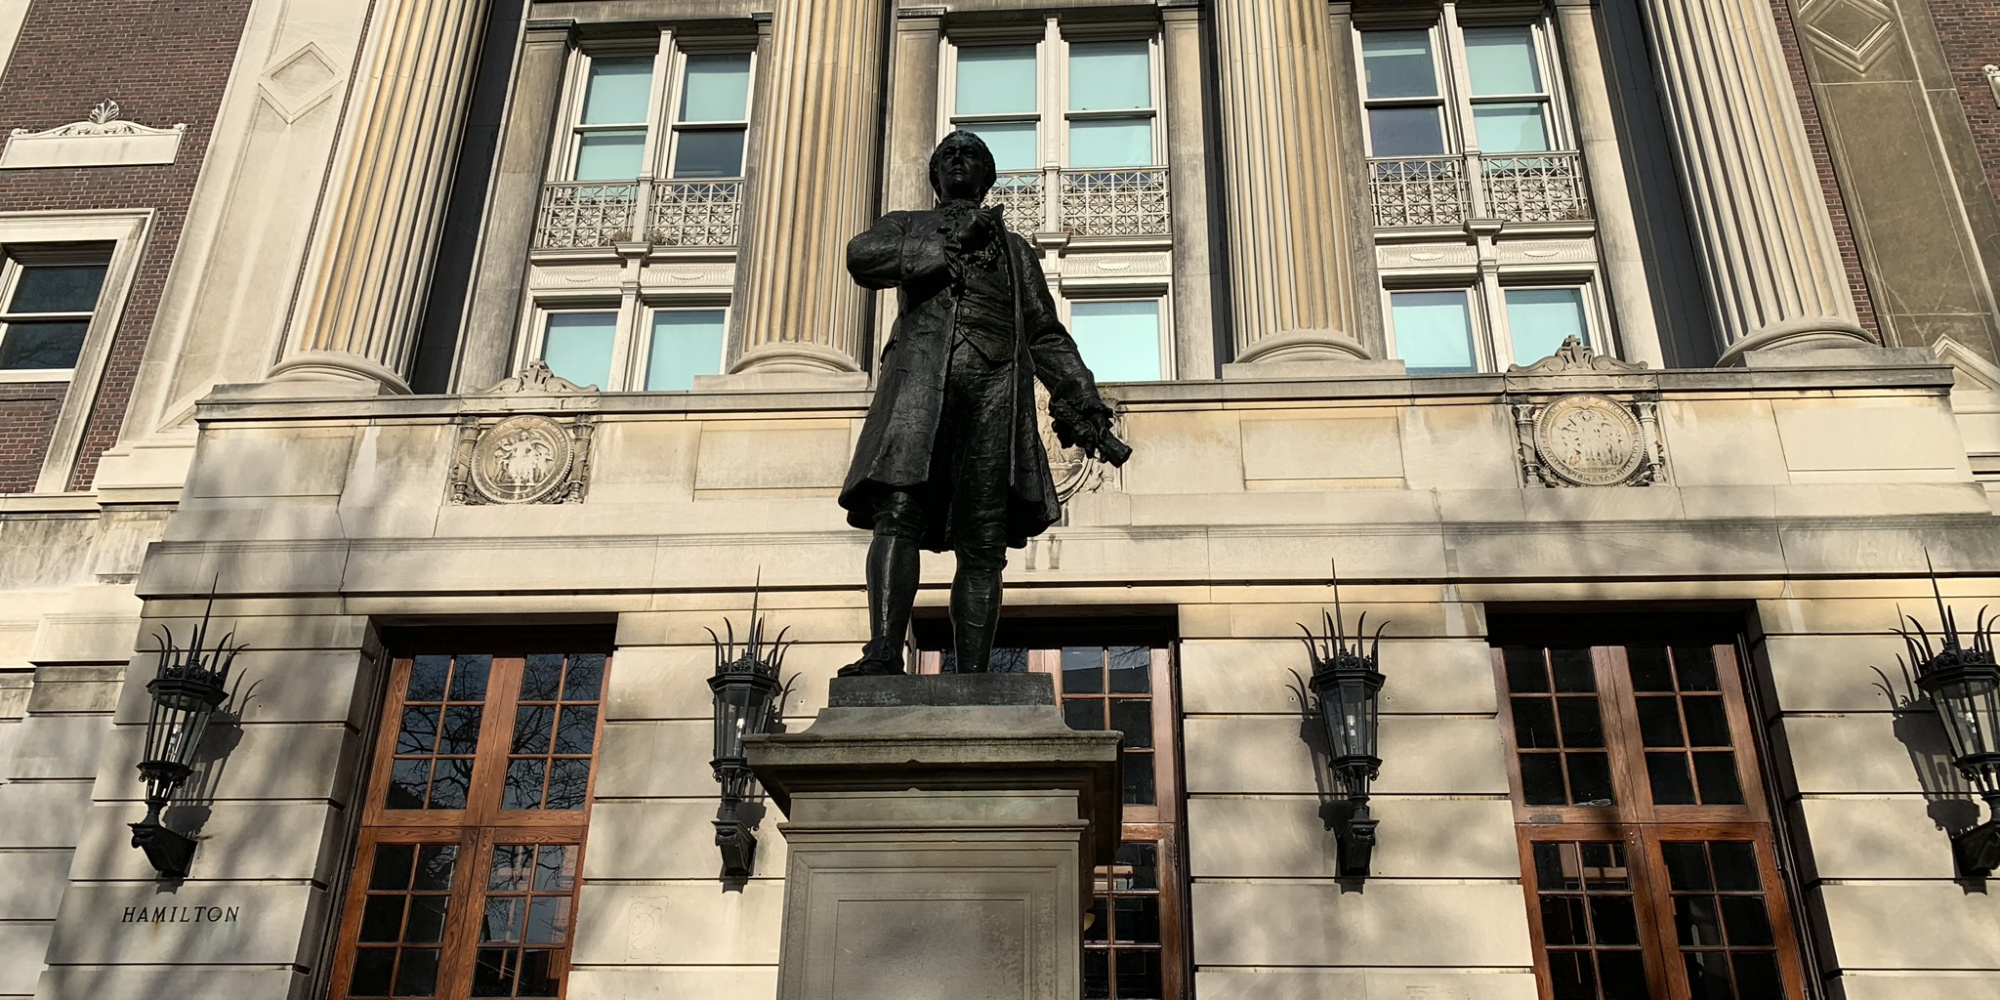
(1853, 33)
(299, 82)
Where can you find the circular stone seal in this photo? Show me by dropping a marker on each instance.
(1589, 440)
(521, 459)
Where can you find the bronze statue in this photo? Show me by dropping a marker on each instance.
(949, 457)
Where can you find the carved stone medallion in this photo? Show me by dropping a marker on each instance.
(1589, 440)
(521, 459)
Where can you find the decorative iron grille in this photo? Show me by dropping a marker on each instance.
(696, 213)
(1418, 191)
(1543, 187)
(1124, 202)
(1020, 192)
(582, 214)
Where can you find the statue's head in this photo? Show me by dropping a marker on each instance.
(962, 167)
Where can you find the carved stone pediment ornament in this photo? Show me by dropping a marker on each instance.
(102, 138)
(526, 457)
(1588, 438)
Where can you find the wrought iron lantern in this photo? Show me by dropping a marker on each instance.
(1344, 694)
(186, 689)
(1959, 673)
(747, 699)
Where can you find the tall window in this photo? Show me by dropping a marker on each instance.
(1133, 939)
(704, 111)
(1104, 90)
(46, 301)
(1471, 152)
(472, 833)
(1645, 838)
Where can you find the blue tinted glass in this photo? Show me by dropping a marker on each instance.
(1433, 331)
(1120, 341)
(1502, 61)
(578, 346)
(996, 80)
(1111, 143)
(686, 343)
(617, 91)
(609, 156)
(1538, 319)
(716, 88)
(1405, 131)
(1013, 145)
(709, 154)
(1110, 76)
(1398, 64)
(1511, 128)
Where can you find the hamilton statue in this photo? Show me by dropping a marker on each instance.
(950, 457)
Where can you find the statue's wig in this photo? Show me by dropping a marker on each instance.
(987, 174)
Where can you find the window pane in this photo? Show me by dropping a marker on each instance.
(609, 156)
(42, 345)
(1111, 143)
(617, 91)
(1433, 331)
(996, 80)
(1405, 131)
(716, 88)
(1510, 128)
(686, 343)
(708, 154)
(1108, 76)
(57, 288)
(1539, 319)
(1120, 341)
(578, 347)
(1013, 144)
(1399, 64)
(1502, 61)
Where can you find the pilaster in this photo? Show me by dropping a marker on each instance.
(379, 220)
(1187, 164)
(912, 126)
(815, 188)
(1291, 280)
(1762, 230)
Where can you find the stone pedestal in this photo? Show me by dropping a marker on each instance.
(941, 832)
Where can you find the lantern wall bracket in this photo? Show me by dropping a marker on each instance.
(1959, 672)
(1343, 694)
(749, 699)
(1977, 851)
(188, 685)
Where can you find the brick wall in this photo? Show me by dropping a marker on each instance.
(1843, 230)
(27, 418)
(164, 62)
(1970, 30)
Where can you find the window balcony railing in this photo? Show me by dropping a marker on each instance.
(696, 213)
(1121, 201)
(581, 215)
(1433, 190)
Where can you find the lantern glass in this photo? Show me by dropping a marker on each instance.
(1350, 705)
(1968, 703)
(742, 708)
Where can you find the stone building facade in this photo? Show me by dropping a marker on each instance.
(471, 360)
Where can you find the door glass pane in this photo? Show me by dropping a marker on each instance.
(578, 346)
(1112, 143)
(716, 88)
(548, 764)
(1433, 331)
(1108, 76)
(438, 733)
(609, 156)
(524, 935)
(686, 343)
(1539, 319)
(995, 80)
(1120, 341)
(402, 921)
(59, 288)
(1511, 128)
(41, 345)
(1590, 926)
(1012, 143)
(1406, 131)
(1122, 955)
(1721, 919)
(1502, 61)
(617, 91)
(708, 154)
(1398, 64)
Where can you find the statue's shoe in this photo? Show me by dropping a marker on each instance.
(878, 659)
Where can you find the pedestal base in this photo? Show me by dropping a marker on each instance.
(941, 832)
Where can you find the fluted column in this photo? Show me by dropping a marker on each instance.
(815, 188)
(1766, 241)
(1291, 281)
(378, 225)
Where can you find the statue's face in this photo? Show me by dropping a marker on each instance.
(962, 169)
